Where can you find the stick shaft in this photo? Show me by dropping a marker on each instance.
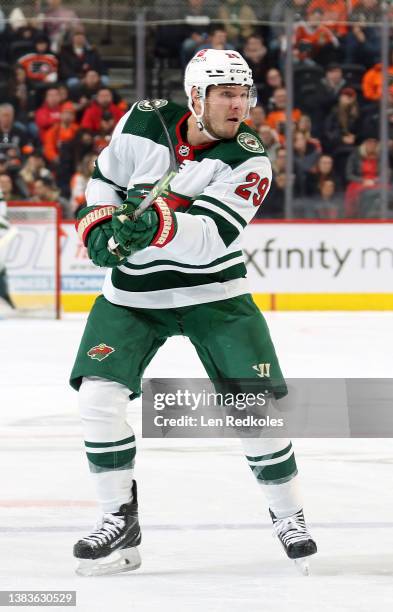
(157, 190)
(161, 186)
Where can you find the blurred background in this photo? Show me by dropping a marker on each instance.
(323, 70)
(69, 71)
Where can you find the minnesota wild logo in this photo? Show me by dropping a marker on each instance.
(100, 352)
(250, 143)
(145, 105)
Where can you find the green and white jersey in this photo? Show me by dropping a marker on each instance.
(215, 194)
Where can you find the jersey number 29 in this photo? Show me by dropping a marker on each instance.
(253, 180)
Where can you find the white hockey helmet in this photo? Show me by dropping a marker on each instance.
(216, 67)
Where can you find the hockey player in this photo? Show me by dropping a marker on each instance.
(178, 270)
(6, 234)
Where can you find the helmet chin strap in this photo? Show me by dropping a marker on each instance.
(199, 118)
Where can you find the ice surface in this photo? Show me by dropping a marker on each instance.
(207, 535)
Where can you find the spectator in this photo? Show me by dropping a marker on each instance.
(371, 119)
(57, 22)
(7, 188)
(279, 164)
(84, 144)
(60, 133)
(273, 81)
(363, 42)
(363, 170)
(238, 18)
(372, 81)
(101, 140)
(20, 97)
(59, 147)
(257, 117)
(334, 14)
(323, 171)
(79, 57)
(332, 83)
(45, 190)
(273, 207)
(92, 116)
(276, 119)
(82, 93)
(33, 169)
(314, 41)
(12, 136)
(79, 182)
(270, 141)
(279, 185)
(217, 40)
(278, 16)
(3, 163)
(64, 93)
(41, 65)
(49, 112)
(342, 129)
(305, 126)
(305, 155)
(12, 166)
(327, 204)
(17, 20)
(168, 38)
(256, 54)
(197, 22)
(326, 96)
(19, 36)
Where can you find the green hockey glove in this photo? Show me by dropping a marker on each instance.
(94, 226)
(156, 226)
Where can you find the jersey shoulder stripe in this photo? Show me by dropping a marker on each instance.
(143, 121)
(230, 211)
(226, 229)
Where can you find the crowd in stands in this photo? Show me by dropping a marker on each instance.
(58, 109)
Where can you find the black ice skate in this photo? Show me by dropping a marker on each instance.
(112, 547)
(293, 535)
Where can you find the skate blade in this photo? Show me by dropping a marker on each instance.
(124, 560)
(303, 565)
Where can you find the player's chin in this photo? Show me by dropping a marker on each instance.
(231, 129)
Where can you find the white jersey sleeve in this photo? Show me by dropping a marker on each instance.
(219, 215)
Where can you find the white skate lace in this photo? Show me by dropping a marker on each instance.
(109, 527)
(291, 529)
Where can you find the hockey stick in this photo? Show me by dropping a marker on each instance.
(160, 187)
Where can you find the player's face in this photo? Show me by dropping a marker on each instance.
(225, 108)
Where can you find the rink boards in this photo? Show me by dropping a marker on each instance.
(292, 265)
(325, 265)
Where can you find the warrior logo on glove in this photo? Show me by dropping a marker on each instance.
(156, 226)
(167, 225)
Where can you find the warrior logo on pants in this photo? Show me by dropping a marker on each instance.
(263, 369)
